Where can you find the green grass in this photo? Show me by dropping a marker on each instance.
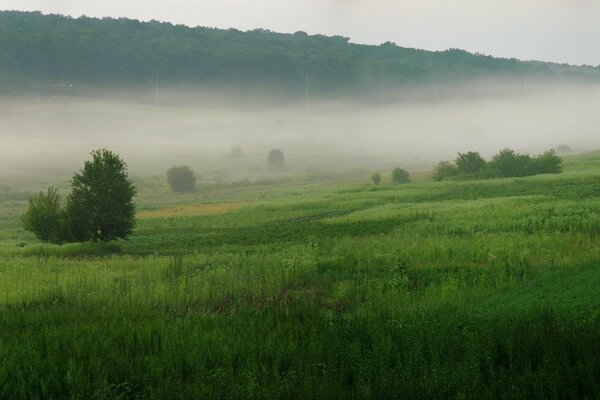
(453, 290)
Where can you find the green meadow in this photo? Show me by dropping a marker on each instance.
(322, 289)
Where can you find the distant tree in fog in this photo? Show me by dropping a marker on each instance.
(444, 170)
(470, 163)
(236, 151)
(376, 178)
(181, 178)
(400, 175)
(510, 163)
(276, 159)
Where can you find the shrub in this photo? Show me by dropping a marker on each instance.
(376, 178)
(508, 163)
(45, 218)
(181, 178)
(100, 206)
(276, 159)
(470, 163)
(400, 175)
(444, 170)
(547, 163)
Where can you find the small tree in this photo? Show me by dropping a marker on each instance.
(508, 163)
(181, 179)
(376, 178)
(45, 218)
(444, 170)
(276, 159)
(400, 175)
(100, 206)
(470, 163)
(547, 163)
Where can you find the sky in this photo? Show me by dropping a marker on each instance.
(565, 31)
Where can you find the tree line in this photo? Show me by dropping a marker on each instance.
(45, 51)
(506, 163)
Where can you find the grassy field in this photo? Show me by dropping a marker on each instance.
(452, 290)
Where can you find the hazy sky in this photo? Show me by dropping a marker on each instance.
(549, 30)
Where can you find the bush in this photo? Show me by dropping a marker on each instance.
(45, 218)
(444, 170)
(276, 159)
(547, 163)
(376, 178)
(100, 206)
(181, 178)
(400, 175)
(470, 163)
(508, 163)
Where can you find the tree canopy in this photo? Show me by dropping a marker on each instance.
(100, 206)
(181, 178)
(50, 51)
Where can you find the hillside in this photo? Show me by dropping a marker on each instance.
(40, 52)
(345, 290)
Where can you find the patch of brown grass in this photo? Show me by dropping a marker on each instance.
(190, 210)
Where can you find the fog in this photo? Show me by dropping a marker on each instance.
(50, 136)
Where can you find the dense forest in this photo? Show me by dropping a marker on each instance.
(41, 51)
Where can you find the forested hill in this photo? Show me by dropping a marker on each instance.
(41, 51)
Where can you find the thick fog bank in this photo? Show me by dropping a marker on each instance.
(52, 135)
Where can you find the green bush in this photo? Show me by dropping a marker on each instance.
(400, 175)
(276, 159)
(45, 218)
(181, 178)
(470, 163)
(376, 178)
(509, 163)
(444, 170)
(547, 163)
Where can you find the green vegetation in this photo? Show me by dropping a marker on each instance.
(181, 179)
(276, 159)
(45, 218)
(400, 175)
(39, 51)
(506, 164)
(376, 178)
(100, 206)
(481, 289)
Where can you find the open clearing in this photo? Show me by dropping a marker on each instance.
(451, 290)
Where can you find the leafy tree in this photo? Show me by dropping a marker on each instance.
(547, 163)
(376, 178)
(444, 170)
(40, 50)
(470, 163)
(276, 159)
(508, 163)
(400, 175)
(45, 218)
(100, 206)
(181, 178)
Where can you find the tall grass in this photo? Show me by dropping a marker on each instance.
(485, 290)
